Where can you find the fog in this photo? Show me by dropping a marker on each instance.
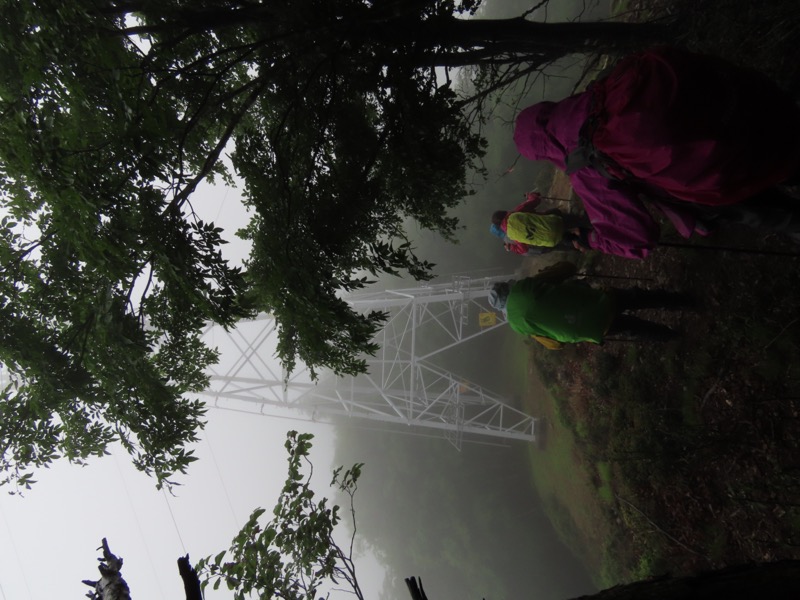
(469, 522)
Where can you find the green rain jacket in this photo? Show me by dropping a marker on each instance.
(563, 311)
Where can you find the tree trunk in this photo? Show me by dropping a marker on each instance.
(520, 36)
(191, 582)
(111, 585)
(776, 581)
(427, 37)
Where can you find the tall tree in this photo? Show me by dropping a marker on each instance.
(111, 114)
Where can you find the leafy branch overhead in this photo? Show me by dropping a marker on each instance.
(111, 115)
(295, 554)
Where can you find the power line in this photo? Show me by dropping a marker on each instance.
(174, 522)
(138, 525)
(16, 553)
(221, 480)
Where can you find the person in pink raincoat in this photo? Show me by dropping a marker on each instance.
(682, 129)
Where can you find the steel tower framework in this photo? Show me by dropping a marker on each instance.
(404, 385)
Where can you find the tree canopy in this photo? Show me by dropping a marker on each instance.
(336, 120)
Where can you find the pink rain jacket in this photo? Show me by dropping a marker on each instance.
(692, 126)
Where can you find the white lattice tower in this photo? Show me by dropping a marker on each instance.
(404, 385)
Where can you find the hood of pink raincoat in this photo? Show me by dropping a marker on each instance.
(549, 130)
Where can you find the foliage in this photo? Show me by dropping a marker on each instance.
(339, 135)
(294, 554)
(340, 211)
(106, 282)
(112, 113)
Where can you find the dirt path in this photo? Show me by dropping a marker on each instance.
(682, 456)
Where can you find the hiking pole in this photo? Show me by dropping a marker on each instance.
(543, 197)
(729, 249)
(587, 275)
(556, 198)
(621, 340)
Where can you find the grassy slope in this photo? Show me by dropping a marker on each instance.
(689, 450)
(574, 487)
(685, 456)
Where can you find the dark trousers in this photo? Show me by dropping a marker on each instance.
(638, 299)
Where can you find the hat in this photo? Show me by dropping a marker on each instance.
(498, 295)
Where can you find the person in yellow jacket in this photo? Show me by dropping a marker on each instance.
(526, 227)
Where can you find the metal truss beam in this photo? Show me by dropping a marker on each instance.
(403, 386)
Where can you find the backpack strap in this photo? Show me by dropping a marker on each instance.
(548, 343)
(586, 154)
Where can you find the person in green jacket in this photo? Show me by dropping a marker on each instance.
(555, 311)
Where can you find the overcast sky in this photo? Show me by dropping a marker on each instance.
(49, 538)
